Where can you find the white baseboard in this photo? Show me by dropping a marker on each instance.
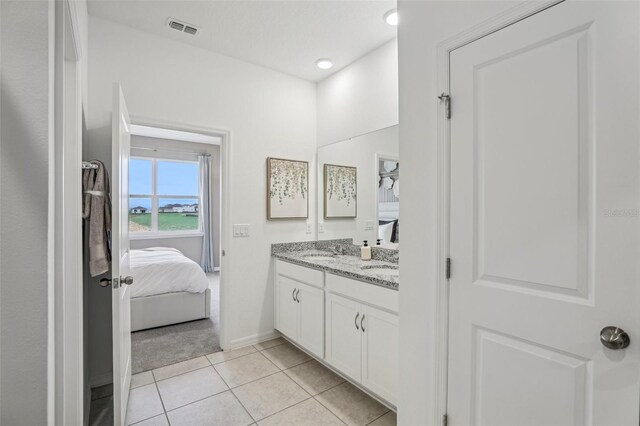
(253, 339)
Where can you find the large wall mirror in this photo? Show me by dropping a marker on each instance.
(359, 189)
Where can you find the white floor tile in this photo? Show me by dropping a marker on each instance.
(144, 403)
(190, 387)
(160, 420)
(141, 379)
(245, 369)
(180, 368)
(223, 356)
(306, 413)
(286, 356)
(314, 377)
(351, 405)
(270, 343)
(222, 409)
(269, 395)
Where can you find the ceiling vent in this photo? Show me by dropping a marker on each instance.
(182, 26)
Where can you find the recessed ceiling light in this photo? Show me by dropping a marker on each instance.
(324, 63)
(391, 17)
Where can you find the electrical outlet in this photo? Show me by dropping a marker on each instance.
(368, 225)
(309, 227)
(321, 227)
(240, 230)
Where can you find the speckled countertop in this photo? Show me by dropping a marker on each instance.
(345, 265)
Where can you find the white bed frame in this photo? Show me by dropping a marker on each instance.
(169, 308)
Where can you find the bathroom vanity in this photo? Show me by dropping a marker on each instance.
(341, 310)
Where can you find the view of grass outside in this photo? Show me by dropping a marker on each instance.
(172, 196)
(166, 222)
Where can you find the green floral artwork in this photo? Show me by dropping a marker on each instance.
(340, 183)
(288, 180)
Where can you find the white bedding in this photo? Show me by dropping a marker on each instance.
(159, 270)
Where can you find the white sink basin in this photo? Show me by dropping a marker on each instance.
(390, 272)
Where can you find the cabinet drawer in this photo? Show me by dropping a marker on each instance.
(303, 274)
(363, 292)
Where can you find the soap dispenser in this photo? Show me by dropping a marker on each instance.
(365, 251)
(378, 241)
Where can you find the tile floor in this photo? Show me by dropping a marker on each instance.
(269, 384)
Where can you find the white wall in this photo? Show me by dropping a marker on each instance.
(424, 25)
(26, 143)
(190, 246)
(268, 114)
(360, 98)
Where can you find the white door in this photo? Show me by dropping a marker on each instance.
(380, 352)
(344, 338)
(544, 220)
(120, 301)
(311, 313)
(287, 309)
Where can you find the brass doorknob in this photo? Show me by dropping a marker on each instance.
(614, 338)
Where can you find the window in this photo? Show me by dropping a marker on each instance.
(163, 195)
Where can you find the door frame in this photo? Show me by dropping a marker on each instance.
(69, 401)
(225, 195)
(443, 191)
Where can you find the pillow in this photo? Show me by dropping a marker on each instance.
(385, 231)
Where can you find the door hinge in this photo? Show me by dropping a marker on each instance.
(447, 104)
(444, 420)
(448, 268)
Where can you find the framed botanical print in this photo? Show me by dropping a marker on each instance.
(340, 191)
(287, 189)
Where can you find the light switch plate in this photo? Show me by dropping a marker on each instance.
(368, 225)
(240, 230)
(321, 227)
(309, 227)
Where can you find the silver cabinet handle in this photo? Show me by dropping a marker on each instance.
(356, 321)
(362, 323)
(293, 294)
(298, 296)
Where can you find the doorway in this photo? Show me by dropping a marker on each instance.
(174, 235)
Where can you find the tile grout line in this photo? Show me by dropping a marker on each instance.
(286, 408)
(379, 417)
(236, 396)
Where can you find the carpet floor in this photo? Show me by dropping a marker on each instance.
(162, 346)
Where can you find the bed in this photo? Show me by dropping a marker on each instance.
(168, 288)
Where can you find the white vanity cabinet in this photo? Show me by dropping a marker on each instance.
(362, 339)
(349, 324)
(300, 306)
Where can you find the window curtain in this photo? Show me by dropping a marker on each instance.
(205, 213)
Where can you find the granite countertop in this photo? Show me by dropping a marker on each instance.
(345, 265)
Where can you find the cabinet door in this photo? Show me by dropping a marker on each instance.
(311, 325)
(343, 350)
(380, 353)
(286, 307)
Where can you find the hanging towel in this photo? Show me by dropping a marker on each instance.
(97, 211)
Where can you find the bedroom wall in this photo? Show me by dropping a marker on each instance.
(190, 246)
(361, 97)
(26, 222)
(268, 114)
(424, 25)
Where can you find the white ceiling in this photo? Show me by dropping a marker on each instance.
(287, 36)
